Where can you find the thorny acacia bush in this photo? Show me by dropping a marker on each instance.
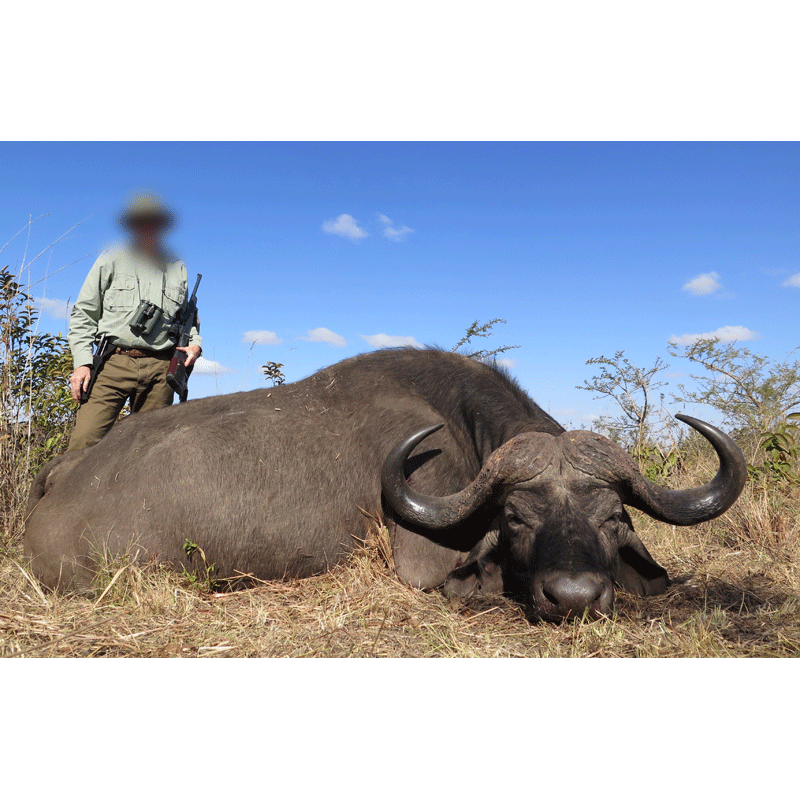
(754, 396)
(642, 427)
(482, 331)
(735, 580)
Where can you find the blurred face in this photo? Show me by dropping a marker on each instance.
(147, 233)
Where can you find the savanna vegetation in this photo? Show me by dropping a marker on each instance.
(735, 584)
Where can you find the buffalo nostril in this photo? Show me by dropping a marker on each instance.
(550, 597)
(567, 595)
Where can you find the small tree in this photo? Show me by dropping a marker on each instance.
(634, 389)
(485, 330)
(753, 393)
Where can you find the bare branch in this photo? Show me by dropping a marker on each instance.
(478, 330)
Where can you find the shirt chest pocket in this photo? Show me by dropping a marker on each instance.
(121, 296)
(174, 295)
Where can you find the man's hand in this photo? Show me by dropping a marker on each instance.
(192, 353)
(79, 381)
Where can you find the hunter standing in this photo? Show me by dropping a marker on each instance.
(123, 281)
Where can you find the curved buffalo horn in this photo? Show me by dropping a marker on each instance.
(411, 505)
(435, 513)
(690, 506)
(426, 511)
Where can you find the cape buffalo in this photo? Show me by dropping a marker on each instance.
(480, 489)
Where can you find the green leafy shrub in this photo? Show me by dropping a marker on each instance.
(36, 409)
(780, 451)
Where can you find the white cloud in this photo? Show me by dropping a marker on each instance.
(727, 333)
(384, 340)
(705, 283)
(508, 363)
(55, 308)
(344, 225)
(325, 335)
(204, 366)
(390, 232)
(794, 280)
(261, 337)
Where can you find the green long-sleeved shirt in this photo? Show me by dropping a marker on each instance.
(117, 282)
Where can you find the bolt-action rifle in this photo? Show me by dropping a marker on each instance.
(178, 374)
(102, 352)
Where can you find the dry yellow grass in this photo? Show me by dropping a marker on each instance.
(735, 592)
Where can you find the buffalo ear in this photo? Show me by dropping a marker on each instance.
(638, 572)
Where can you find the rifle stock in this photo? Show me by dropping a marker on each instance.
(178, 376)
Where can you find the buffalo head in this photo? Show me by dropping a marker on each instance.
(563, 538)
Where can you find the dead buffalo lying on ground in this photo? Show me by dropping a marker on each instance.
(482, 490)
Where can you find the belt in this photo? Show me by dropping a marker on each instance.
(133, 352)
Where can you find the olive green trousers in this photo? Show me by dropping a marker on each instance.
(143, 381)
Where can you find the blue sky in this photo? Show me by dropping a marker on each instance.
(584, 248)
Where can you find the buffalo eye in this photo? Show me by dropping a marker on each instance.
(514, 521)
(615, 520)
